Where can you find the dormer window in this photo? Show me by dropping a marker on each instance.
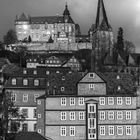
(91, 75)
(62, 88)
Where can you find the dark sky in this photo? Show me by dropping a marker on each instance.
(124, 13)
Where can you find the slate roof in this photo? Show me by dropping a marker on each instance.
(29, 136)
(3, 61)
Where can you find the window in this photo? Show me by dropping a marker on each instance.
(128, 130)
(47, 72)
(38, 102)
(36, 82)
(63, 130)
(119, 100)
(35, 72)
(72, 115)
(25, 82)
(81, 115)
(72, 130)
(110, 115)
(111, 130)
(25, 113)
(25, 127)
(63, 101)
(102, 100)
(119, 88)
(63, 78)
(35, 127)
(14, 81)
(91, 75)
(128, 115)
(91, 86)
(35, 96)
(102, 130)
(39, 115)
(119, 115)
(25, 97)
(63, 116)
(110, 101)
(72, 101)
(102, 115)
(24, 72)
(128, 100)
(35, 113)
(81, 101)
(13, 97)
(62, 88)
(119, 130)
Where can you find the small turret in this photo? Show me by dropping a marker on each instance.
(66, 11)
(23, 17)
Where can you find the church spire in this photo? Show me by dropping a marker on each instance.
(101, 18)
(66, 11)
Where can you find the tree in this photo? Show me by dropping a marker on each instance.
(120, 40)
(129, 47)
(10, 37)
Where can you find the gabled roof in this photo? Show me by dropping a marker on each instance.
(29, 136)
(23, 17)
(101, 18)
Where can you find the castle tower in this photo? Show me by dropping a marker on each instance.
(103, 32)
(22, 27)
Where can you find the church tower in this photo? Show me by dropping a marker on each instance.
(101, 33)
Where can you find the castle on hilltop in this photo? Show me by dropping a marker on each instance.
(63, 32)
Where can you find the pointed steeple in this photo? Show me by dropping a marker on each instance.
(23, 17)
(101, 18)
(66, 11)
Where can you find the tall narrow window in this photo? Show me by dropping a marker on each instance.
(25, 127)
(110, 115)
(102, 115)
(13, 97)
(35, 113)
(119, 115)
(25, 112)
(128, 130)
(36, 82)
(128, 100)
(72, 130)
(81, 115)
(14, 81)
(102, 130)
(111, 130)
(72, 115)
(63, 130)
(25, 97)
(63, 101)
(63, 116)
(91, 86)
(128, 115)
(81, 101)
(102, 100)
(110, 101)
(72, 101)
(119, 101)
(25, 82)
(35, 97)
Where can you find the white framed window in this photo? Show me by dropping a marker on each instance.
(35, 96)
(119, 101)
(102, 100)
(102, 115)
(62, 88)
(128, 100)
(63, 131)
(39, 116)
(128, 130)
(63, 78)
(72, 130)
(63, 101)
(119, 115)
(91, 86)
(111, 130)
(91, 75)
(36, 82)
(102, 130)
(81, 101)
(63, 116)
(111, 115)
(110, 101)
(128, 115)
(25, 97)
(14, 81)
(35, 113)
(25, 82)
(72, 115)
(13, 97)
(39, 130)
(25, 112)
(119, 130)
(82, 115)
(72, 101)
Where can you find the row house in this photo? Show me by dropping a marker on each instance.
(94, 111)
